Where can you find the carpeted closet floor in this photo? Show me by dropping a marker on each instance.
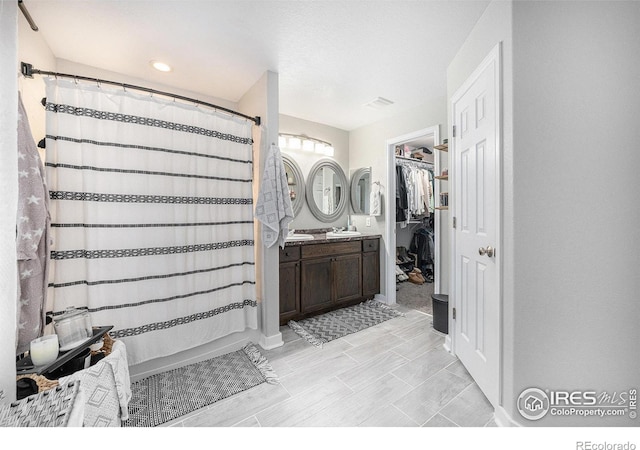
(415, 296)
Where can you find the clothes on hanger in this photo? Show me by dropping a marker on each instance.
(422, 245)
(402, 199)
(414, 191)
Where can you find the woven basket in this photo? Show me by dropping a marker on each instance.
(43, 383)
(107, 345)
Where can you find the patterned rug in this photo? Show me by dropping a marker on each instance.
(168, 395)
(336, 324)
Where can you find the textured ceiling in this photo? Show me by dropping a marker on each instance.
(332, 57)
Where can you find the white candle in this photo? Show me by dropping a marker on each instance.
(44, 350)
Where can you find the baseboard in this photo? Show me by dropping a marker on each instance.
(203, 352)
(270, 342)
(382, 299)
(447, 344)
(503, 419)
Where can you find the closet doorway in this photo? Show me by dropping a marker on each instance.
(413, 151)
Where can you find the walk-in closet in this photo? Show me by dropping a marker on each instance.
(415, 210)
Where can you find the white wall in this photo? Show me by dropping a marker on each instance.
(8, 202)
(340, 141)
(262, 100)
(576, 71)
(33, 49)
(367, 148)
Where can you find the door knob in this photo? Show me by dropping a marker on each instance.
(486, 251)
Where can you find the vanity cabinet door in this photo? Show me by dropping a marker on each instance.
(316, 286)
(347, 277)
(370, 273)
(370, 267)
(289, 291)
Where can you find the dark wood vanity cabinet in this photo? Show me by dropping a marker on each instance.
(317, 278)
(370, 267)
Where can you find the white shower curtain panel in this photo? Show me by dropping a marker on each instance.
(152, 220)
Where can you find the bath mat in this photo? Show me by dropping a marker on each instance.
(168, 395)
(336, 324)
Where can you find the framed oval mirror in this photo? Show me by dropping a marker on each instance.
(327, 190)
(295, 182)
(360, 190)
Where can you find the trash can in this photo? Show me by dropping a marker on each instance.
(440, 304)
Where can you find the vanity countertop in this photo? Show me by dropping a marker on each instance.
(321, 238)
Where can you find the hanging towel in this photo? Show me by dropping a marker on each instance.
(32, 236)
(375, 202)
(274, 204)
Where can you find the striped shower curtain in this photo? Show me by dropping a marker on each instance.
(152, 221)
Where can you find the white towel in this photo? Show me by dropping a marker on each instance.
(274, 208)
(375, 200)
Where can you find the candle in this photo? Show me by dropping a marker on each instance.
(44, 350)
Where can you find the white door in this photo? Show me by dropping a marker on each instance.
(476, 117)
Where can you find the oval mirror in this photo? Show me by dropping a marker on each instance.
(360, 190)
(295, 182)
(327, 190)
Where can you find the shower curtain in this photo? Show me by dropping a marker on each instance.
(152, 221)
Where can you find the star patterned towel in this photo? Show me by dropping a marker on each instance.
(274, 208)
(31, 237)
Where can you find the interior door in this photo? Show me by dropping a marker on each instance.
(476, 118)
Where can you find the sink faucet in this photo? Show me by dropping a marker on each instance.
(338, 229)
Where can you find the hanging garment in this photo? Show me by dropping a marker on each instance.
(375, 200)
(402, 204)
(152, 217)
(418, 207)
(32, 236)
(421, 246)
(274, 208)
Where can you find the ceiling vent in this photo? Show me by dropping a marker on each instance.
(379, 103)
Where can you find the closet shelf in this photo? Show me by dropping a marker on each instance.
(442, 207)
(441, 177)
(442, 147)
(415, 160)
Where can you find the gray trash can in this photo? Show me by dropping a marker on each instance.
(440, 304)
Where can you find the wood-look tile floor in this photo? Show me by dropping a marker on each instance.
(395, 374)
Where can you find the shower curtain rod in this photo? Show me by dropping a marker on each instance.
(28, 71)
(25, 13)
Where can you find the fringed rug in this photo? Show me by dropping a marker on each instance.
(336, 324)
(168, 395)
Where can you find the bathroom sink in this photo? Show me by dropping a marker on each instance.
(342, 234)
(300, 237)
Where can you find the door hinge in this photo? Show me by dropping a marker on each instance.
(454, 131)
(454, 314)
(454, 222)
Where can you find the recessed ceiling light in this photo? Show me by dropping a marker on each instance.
(379, 102)
(159, 65)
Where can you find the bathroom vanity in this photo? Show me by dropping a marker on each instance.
(322, 274)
